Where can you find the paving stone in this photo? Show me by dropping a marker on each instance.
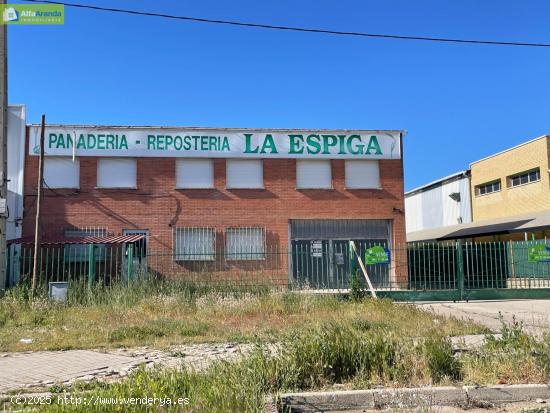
(41, 368)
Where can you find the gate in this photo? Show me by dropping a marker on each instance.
(327, 265)
(472, 270)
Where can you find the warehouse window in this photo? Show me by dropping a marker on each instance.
(116, 173)
(246, 243)
(61, 172)
(362, 174)
(488, 188)
(313, 174)
(245, 174)
(194, 173)
(194, 244)
(524, 178)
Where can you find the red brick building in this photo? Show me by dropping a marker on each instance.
(200, 192)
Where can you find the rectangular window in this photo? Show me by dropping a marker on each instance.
(194, 173)
(61, 172)
(79, 252)
(362, 174)
(245, 243)
(194, 244)
(116, 173)
(245, 174)
(524, 178)
(313, 174)
(488, 188)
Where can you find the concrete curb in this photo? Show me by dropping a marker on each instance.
(412, 397)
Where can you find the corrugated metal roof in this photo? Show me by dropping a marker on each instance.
(533, 221)
(89, 239)
(438, 182)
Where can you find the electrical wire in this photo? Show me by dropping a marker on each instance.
(293, 28)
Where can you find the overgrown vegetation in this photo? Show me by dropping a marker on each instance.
(357, 355)
(513, 357)
(303, 342)
(316, 358)
(162, 313)
(356, 290)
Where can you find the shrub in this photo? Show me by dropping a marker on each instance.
(356, 290)
(441, 362)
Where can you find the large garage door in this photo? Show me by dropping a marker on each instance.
(320, 251)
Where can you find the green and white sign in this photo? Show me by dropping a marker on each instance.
(377, 255)
(538, 253)
(216, 143)
(32, 13)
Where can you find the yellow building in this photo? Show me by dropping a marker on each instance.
(512, 182)
(510, 197)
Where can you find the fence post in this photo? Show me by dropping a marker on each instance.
(513, 264)
(91, 264)
(130, 262)
(352, 261)
(459, 266)
(8, 269)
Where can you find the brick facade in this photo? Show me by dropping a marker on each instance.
(158, 207)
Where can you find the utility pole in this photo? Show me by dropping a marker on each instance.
(3, 149)
(37, 234)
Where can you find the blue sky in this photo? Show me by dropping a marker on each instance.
(458, 103)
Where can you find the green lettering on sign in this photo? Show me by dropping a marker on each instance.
(296, 144)
(225, 144)
(313, 144)
(329, 141)
(358, 148)
(374, 145)
(269, 143)
(248, 144)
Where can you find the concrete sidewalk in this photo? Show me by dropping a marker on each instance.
(535, 314)
(422, 399)
(41, 369)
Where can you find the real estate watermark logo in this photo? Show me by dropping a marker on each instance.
(32, 14)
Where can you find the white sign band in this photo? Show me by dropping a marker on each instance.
(206, 143)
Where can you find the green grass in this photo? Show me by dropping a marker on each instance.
(316, 358)
(321, 341)
(161, 314)
(515, 357)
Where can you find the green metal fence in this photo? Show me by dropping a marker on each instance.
(443, 270)
(476, 270)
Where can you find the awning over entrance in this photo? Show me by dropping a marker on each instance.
(533, 221)
(114, 239)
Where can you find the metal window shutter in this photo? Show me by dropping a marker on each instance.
(194, 173)
(313, 174)
(61, 172)
(116, 173)
(245, 243)
(362, 174)
(245, 173)
(195, 244)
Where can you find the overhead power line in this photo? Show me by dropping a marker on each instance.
(293, 28)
